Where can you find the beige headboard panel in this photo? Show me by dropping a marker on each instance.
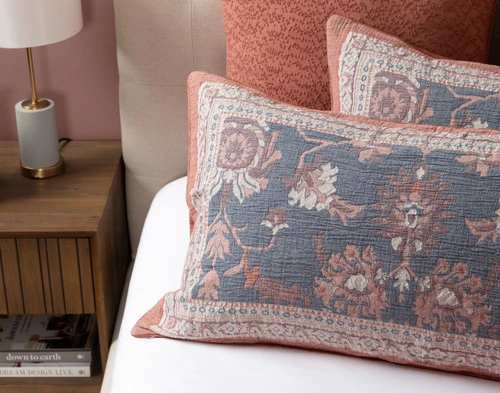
(159, 43)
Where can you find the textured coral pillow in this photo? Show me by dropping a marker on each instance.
(279, 47)
(377, 75)
(338, 233)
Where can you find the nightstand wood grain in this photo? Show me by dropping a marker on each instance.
(64, 246)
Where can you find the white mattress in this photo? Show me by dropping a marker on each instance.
(166, 365)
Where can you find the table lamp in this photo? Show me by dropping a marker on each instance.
(26, 24)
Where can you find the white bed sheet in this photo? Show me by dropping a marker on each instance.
(175, 366)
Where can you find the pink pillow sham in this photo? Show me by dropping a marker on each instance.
(337, 233)
(377, 75)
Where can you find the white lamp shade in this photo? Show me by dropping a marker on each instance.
(30, 23)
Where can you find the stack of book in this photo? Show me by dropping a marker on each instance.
(47, 345)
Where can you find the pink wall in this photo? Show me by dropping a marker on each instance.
(79, 74)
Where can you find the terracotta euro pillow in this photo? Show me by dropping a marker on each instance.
(279, 47)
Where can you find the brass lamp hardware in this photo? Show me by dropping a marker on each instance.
(42, 173)
(35, 103)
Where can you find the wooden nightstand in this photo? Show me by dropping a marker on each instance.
(64, 246)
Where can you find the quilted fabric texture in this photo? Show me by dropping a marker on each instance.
(379, 76)
(324, 231)
(279, 47)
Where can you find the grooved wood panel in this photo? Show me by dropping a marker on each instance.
(31, 275)
(13, 294)
(71, 276)
(46, 275)
(55, 276)
(47, 293)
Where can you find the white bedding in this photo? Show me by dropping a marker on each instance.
(165, 365)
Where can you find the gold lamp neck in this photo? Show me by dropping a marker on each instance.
(35, 103)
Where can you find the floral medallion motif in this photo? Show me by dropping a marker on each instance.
(396, 98)
(413, 209)
(246, 155)
(450, 299)
(351, 283)
(313, 186)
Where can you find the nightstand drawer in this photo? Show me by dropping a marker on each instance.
(46, 275)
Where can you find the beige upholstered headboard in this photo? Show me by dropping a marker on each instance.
(159, 43)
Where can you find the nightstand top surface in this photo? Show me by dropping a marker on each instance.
(70, 204)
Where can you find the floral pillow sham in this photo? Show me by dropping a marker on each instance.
(338, 233)
(377, 75)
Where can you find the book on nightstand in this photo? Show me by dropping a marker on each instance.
(53, 369)
(47, 345)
